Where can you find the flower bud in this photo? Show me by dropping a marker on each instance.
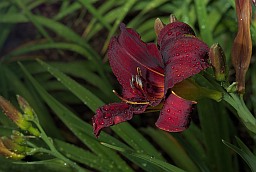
(10, 111)
(18, 137)
(9, 154)
(12, 146)
(26, 108)
(218, 61)
(242, 46)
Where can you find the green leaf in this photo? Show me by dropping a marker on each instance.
(84, 157)
(88, 98)
(123, 12)
(203, 21)
(17, 87)
(173, 148)
(215, 127)
(151, 161)
(52, 165)
(244, 152)
(95, 13)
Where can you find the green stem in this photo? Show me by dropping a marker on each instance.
(53, 151)
(243, 112)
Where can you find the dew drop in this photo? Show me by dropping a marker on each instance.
(169, 33)
(168, 110)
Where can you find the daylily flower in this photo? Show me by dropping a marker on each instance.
(148, 73)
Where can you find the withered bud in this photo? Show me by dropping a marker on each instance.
(159, 25)
(218, 61)
(242, 47)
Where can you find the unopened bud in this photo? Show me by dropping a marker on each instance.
(26, 108)
(218, 61)
(10, 111)
(9, 154)
(12, 146)
(18, 137)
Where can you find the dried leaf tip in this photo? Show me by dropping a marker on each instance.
(159, 25)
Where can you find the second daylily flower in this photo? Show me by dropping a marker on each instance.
(148, 73)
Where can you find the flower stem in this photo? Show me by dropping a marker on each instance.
(53, 151)
(243, 112)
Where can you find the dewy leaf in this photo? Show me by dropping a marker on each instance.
(149, 159)
(244, 152)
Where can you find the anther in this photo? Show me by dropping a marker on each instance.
(139, 71)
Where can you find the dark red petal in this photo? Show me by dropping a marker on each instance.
(127, 53)
(114, 113)
(173, 31)
(184, 57)
(174, 117)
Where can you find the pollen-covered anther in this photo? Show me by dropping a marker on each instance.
(138, 82)
(132, 82)
(139, 71)
(129, 101)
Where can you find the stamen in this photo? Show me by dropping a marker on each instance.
(139, 82)
(139, 71)
(128, 101)
(131, 82)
